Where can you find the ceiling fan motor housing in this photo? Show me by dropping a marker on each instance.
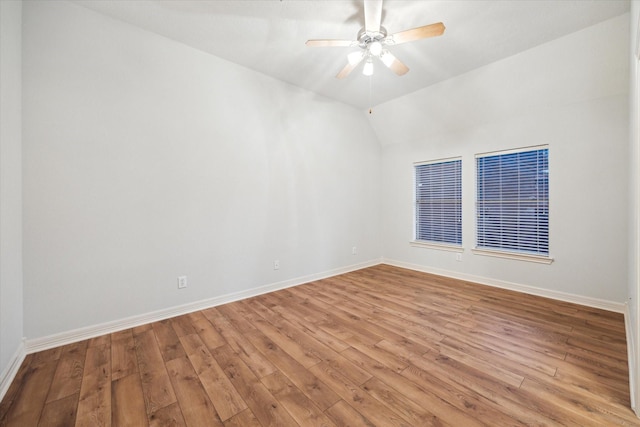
(365, 38)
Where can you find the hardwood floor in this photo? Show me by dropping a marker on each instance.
(381, 346)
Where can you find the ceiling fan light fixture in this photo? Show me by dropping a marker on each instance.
(386, 58)
(375, 48)
(368, 68)
(373, 40)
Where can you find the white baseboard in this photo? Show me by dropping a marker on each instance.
(51, 341)
(64, 338)
(617, 307)
(10, 372)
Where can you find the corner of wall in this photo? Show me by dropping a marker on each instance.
(632, 313)
(12, 349)
(7, 376)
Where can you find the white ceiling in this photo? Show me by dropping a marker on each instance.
(269, 36)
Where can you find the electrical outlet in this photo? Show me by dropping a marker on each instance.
(182, 282)
(458, 257)
(276, 265)
(354, 250)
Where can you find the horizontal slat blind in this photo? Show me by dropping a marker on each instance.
(513, 201)
(439, 202)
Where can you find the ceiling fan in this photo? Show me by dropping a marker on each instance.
(373, 41)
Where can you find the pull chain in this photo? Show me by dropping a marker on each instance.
(370, 94)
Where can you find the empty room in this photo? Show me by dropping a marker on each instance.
(319, 213)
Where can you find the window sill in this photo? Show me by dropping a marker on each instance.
(540, 259)
(439, 246)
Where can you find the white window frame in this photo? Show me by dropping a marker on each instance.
(499, 252)
(446, 246)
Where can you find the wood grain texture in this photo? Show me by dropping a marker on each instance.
(123, 355)
(68, 376)
(127, 403)
(94, 406)
(196, 406)
(60, 413)
(382, 346)
(27, 406)
(218, 387)
(156, 385)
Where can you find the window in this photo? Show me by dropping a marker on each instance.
(513, 201)
(438, 208)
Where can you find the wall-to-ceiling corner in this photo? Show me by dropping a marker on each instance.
(11, 307)
(570, 94)
(633, 309)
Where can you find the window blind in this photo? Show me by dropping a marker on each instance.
(513, 201)
(438, 214)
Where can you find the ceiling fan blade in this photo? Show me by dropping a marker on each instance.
(330, 43)
(372, 15)
(351, 65)
(431, 30)
(393, 63)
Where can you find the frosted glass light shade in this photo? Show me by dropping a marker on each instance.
(375, 48)
(368, 68)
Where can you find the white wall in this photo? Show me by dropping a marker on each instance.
(571, 94)
(145, 159)
(11, 311)
(633, 322)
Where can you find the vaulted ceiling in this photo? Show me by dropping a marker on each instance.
(269, 36)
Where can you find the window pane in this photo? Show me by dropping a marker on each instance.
(439, 202)
(513, 202)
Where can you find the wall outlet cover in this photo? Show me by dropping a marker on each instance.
(182, 282)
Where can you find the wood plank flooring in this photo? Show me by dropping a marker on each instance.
(382, 346)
